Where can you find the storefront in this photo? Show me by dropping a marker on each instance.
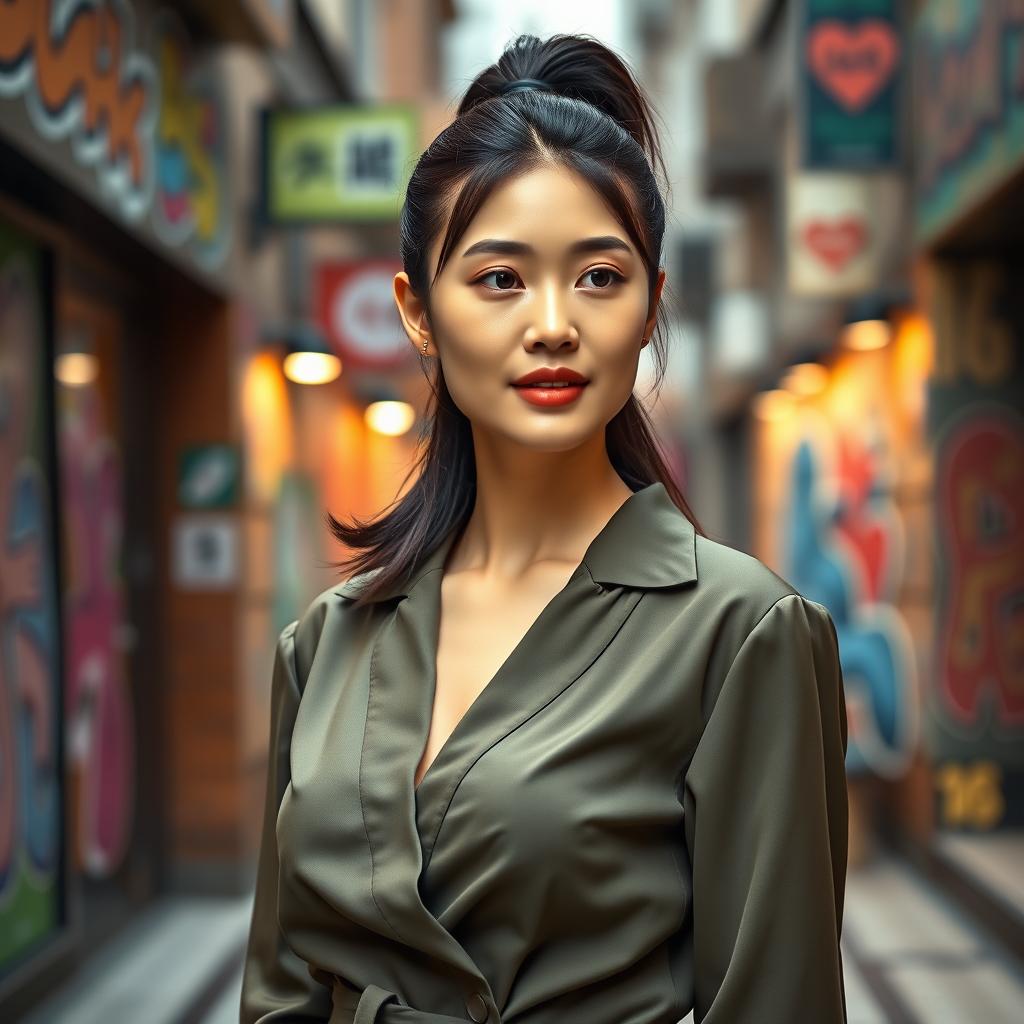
(123, 310)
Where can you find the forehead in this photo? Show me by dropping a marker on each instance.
(549, 206)
(551, 195)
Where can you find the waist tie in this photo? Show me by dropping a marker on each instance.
(376, 1005)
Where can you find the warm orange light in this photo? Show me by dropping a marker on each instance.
(915, 344)
(774, 405)
(806, 379)
(267, 422)
(76, 369)
(866, 335)
(390, 418)
(311, 367)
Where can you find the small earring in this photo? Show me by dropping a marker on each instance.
(425, 347)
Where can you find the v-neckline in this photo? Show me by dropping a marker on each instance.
(431, 690)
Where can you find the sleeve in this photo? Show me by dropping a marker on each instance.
(765, 811)
(276, 983)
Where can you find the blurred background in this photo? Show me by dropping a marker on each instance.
(200, 355)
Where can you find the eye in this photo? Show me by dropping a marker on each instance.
(616, 278)
(493, 273)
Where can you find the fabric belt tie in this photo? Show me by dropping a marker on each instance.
(376, 1005)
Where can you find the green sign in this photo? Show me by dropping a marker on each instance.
(850, 96)
(337, 163)
(208, 476)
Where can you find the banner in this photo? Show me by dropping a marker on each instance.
(850, 95)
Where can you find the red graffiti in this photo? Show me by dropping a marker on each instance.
(981, 630)
(857, 472)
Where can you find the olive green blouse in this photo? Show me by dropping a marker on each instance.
(643, 812)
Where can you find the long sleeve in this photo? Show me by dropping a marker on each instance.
(765, 806)
(276, 984)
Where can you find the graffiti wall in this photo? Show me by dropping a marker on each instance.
(99, 706)
(976, 420)
(143, 117)
(31, 882)
(843, 494)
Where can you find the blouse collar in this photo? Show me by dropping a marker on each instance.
(648, 542)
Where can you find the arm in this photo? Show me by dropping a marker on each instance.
(276, 984)
(765, 804)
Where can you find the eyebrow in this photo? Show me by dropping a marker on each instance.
(508, 247)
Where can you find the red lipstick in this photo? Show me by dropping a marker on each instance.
(551, 386)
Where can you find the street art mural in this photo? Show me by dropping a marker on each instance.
(975, 419)
(843, 547)
(30, 700)
(190, 207)
(99, 710)
(150, 125)
(980, 491)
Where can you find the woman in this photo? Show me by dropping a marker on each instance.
(552, 754)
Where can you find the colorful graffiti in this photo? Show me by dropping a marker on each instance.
(99, 710)
(30, 812)
(151, 127)
(980, 509)
(75, 64)
(976, 426)
(191, 149)
(843, 543)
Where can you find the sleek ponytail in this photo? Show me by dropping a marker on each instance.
(592, 117)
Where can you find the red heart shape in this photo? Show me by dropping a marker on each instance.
(853, 63)
(835, 243)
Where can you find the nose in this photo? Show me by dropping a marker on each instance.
(553, 327)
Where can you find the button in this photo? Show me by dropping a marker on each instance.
(476, 1005)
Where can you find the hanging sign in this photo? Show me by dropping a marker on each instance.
(337, 163)
(851, 55)
(205, 553)
(356, 310)
(842, 230)
(208, 476)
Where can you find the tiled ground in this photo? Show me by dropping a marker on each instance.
(927, 962)
(910, 956)
(154, 968)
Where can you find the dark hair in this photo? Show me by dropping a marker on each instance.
(593, 118)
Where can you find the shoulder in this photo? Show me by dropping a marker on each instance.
(743, 586)
(329, 620)
(747, 602)
(769, 639)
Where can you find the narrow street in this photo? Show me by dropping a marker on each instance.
(911, 956)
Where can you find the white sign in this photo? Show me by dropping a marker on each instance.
(841, 231)
(205, 552)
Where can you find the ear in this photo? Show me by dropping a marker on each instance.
(412, 313)
(655, 299)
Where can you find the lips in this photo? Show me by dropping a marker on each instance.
(550, 376)
(551, 387)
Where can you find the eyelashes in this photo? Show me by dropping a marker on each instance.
(617, 278)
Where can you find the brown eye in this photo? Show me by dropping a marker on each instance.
(506, 274)
(614, 275)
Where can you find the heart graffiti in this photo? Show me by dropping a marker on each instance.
(853, 63)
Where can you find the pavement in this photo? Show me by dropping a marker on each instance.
(912, 955)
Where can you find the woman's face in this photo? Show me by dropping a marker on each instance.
(544, 276)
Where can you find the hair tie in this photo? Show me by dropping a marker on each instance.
(524, 84)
